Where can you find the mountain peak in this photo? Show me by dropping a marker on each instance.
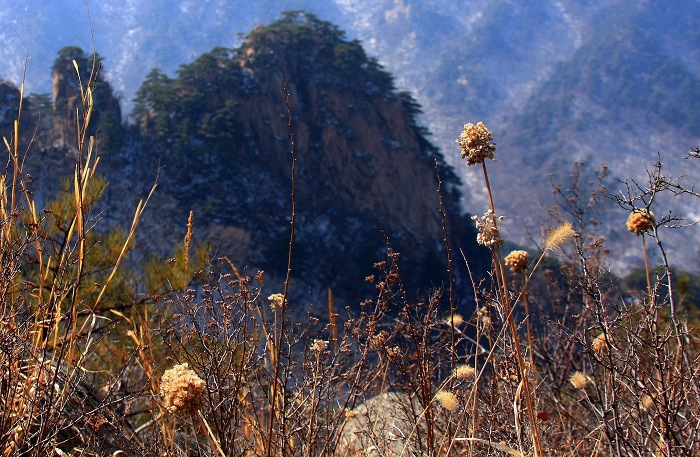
(365, 170)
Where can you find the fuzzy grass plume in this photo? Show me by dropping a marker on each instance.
(556, 238)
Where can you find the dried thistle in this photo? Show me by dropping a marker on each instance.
(448, 400)
(489, 233)
(182, 390)
(476, 142)
(276, 301)
(454, 319)
(379, 340)
(518, 261)
(600, 343)
(394, 352)
(640, 221)
(483, 319)
(579, 380)
(464, 371)
(319, 346)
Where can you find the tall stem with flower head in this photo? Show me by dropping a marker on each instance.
(477, 145)
(638, 222)
(518, 262)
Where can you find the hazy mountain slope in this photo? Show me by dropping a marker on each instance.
(133, 36)
(620, 99)
(598, 76)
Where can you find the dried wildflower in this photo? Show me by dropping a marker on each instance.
(379, 340)
(600, 343)
(579, 380)
(489, 234)
(393, 352)
(448, 400)
(276, 301)
(476, 142)
(455, 319)
(319, 346)
(558, 236)
(464, 371)
(640, 221)
(181, 389)
(484, 319)
(518, 261)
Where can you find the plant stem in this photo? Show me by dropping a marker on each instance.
(505, 300)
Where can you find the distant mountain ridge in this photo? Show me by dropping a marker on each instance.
(556, 80)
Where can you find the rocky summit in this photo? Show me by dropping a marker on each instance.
(219, 138)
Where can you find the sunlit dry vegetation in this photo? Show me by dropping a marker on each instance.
(195, 356)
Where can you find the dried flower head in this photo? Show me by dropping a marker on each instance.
(476, 142)
(600, 343)
(484, 319)
(579, 380)
(464, 371)
(319, 346)
(181, 389)
(455, 319)
(489, 233)
(640, 221)
(448, 400)
(378, 340)
(394, 352)
(518, 261)
(276, 301)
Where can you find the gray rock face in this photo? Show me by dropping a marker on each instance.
(390, 424)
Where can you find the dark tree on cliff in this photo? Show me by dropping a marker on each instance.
(106, 117)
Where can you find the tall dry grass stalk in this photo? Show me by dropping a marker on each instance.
(49, 322)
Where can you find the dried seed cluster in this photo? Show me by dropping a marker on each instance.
(476, 142)
(181, 389)
(464, 371)
(276, 301)
(579, 380)
(518, 261)
(448, 400)
(640, 221)
(318, 346)
(489, 234)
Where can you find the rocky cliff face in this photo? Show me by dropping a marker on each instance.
(218, 135)
(67, 94)
(358, 147)
(364, 167)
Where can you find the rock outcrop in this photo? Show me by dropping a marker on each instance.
(363, 164)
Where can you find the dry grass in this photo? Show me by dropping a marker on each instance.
(568, 367)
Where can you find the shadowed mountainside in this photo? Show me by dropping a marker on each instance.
(218, 135)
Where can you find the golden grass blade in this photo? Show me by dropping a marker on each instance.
(140, 208)
(80, 83)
